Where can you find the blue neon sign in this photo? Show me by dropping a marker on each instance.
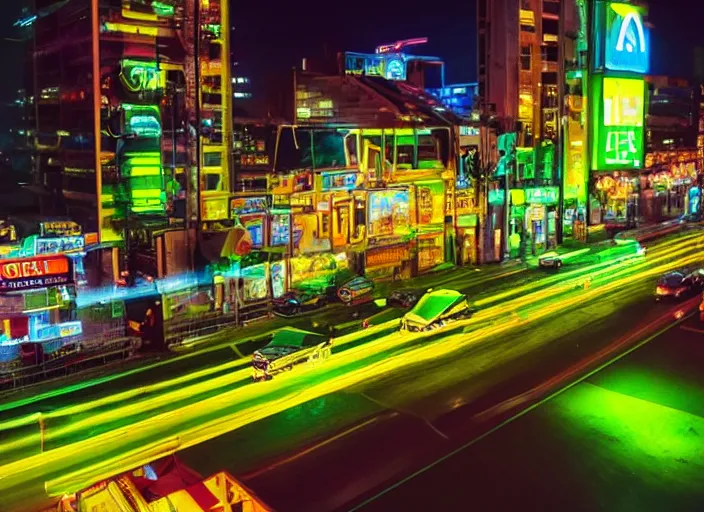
(627, 39)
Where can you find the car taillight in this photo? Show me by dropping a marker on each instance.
(701, 306)
(660, 290)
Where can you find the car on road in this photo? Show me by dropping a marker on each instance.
(295, 302)
(680, 284)
(610, 250)
(403, 298)
(356, 291)
(289, 347)
(436, 309)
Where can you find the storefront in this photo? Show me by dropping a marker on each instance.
(251, 212)
(38, 303)
(540, 218)
(467, 225)
(667, 193)
(615, 201)
(388, 233)
(430, 205)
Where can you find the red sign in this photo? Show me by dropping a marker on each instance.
(34, 272)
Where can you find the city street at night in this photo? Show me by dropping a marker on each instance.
(427, 392)
(309, 257)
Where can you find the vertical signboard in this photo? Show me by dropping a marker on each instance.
(617, 123)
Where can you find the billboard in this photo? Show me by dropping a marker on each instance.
(627, 44)
(617, 123)
(38, 272)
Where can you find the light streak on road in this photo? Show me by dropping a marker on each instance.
(353, 366)
(134, 408)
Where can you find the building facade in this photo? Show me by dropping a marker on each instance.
(132, 131)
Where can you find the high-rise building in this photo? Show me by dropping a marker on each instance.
(132, 131)
(519, 81)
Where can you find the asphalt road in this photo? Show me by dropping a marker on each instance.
(426, 393)
(628, 438)
(354, 444)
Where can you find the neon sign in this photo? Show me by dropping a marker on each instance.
(627, 42)
(34, 272)
(621, 147)
(618, 123)
(141, 76)
(544, 195)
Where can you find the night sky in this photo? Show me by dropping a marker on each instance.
(273, 35)
(277, 37)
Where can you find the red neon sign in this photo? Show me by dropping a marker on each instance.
(34, 267)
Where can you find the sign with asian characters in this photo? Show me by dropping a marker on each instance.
(35, 273)
(56, 229)
(544, 195)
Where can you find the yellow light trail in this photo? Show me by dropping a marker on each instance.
(171, 420)
(394, 341)
(214, 428)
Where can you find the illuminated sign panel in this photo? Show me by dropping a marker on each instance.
(545, 195)
(34, 273)
(58, 245)
(617, 123)
(627, 45)
(623, 102)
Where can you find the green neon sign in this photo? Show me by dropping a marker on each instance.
(617, 123)
(542, 195)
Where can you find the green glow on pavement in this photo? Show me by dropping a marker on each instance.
(657, 443)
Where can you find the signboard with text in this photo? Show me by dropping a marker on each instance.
(37, 272)
(617, 123)
(58, 245)
(59, 229)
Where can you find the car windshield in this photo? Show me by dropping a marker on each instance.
(671, 280)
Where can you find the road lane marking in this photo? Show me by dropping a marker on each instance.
(303, 453)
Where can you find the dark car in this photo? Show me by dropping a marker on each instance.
(289, 347)
(680, 284)
(297, 301)
(403, 298)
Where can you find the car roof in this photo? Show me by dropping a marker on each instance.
(292, 337)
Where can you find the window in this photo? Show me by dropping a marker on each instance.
(550, 26)
(405, 151)
(212, 159)
(329, 149)
(427, 150)
(214, 51)
(525, 58)
(351, 144)
(212, 182)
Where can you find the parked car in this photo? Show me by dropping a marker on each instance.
(680, 284)
(289, 347)
(298, 301)
(610, 250)
(356, 291)
(403, 298)
(436, 309)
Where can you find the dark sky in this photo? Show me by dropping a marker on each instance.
(275, 34)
